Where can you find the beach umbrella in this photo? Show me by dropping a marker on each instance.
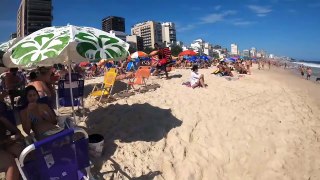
(6, 45)
(54, 45)
(84, 64)
(138, 54)
(66, 44)
(205, 58)
(188, 53)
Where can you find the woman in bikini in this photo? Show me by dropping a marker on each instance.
(37, 117)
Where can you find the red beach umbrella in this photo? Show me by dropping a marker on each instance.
(188, 53)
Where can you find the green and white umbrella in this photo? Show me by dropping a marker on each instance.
(64, 45)
(53, 45)
(6, 45)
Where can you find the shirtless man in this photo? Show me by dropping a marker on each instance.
(41, 87)
(309, 72)
(13, 83)
(247, 63)
(301, 71)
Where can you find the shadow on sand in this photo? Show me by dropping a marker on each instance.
(175, 76)
(129, 123)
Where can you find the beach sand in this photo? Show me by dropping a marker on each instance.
(262, 126)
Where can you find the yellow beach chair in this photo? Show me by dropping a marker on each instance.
(106, 86)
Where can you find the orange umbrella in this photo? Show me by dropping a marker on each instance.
(137, 55)
(188, 53)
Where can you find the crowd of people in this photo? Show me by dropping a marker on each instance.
(31, 95)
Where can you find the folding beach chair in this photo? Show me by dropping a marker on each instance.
(64, 98)
(58, 157)
(140, 77)
(106, 87)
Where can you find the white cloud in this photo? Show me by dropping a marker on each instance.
(217, 8)
(243, 23)
(314, 5)
(261, 11)
(292, 10)
(185, 28)
(195, 8)
(216, 17)
(262, 15)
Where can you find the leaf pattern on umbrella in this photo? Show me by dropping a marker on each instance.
(99, 47)
(40, 47)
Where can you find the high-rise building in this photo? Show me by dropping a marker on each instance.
(234, 49)
(136, 42)
(179, 43)
(169, 36)
(119, 34)
(113, 23)
(150, 31)
(246, 53)
(33, 15)
(253, 52)
(13, 35)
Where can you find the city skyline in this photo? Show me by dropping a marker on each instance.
(282, 27)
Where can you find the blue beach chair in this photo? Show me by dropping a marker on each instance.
(56, 157)
(64, 95)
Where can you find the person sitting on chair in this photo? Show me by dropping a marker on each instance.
(36, 116)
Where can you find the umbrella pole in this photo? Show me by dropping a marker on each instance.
(71, 94)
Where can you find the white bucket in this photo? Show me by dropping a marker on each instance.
(96, 142)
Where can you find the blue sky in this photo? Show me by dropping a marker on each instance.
(282, 27)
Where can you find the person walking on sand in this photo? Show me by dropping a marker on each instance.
(301, 70)
(247, 63)
(269, 64)
(309, 72)
(197, 80)
(262, 64)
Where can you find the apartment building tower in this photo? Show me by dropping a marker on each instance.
(169, 36)
(33, 15)
(150, 31)
(113, 23)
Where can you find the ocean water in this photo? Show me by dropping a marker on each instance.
(315, 65)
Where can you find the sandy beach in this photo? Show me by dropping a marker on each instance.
(263, 126)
